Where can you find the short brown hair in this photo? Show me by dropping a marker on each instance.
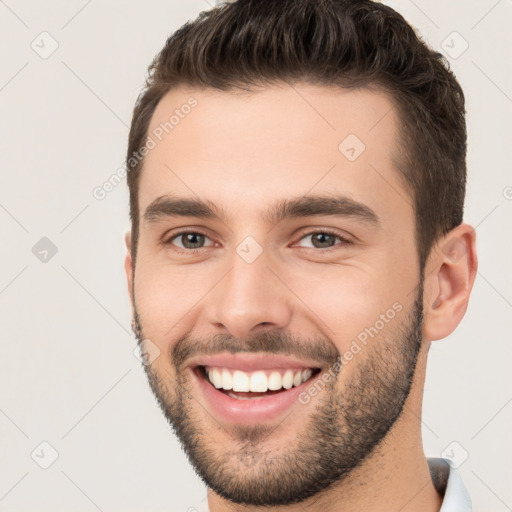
(247, 44)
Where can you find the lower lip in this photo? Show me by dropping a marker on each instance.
(250, 411)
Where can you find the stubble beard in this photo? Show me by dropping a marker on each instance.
(342, 429)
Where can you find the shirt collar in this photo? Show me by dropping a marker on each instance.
(448, 483)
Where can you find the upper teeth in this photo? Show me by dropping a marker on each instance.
(259, 381)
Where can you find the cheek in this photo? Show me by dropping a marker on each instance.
(166, 297)
(349, 303)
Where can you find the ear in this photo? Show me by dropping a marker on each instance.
(128, 263)
(449, 276)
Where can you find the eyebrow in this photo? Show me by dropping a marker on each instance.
(306, 206)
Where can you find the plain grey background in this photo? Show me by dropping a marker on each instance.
(68, 374)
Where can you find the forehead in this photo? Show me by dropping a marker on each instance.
(246, 150)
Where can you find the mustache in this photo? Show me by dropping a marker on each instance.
(318, 348)
(274, 342)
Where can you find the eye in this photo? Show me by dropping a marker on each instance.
(323, 240)
(189, 240)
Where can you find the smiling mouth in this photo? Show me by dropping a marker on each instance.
(258, 384)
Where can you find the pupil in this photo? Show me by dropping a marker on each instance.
(192, 240)
(322, 240)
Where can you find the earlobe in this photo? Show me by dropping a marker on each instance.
(451, 272)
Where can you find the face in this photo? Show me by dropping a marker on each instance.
(277, 280)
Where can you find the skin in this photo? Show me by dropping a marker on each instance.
(244, 152)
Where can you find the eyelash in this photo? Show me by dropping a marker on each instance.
(344, 240)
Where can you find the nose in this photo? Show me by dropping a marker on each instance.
(250, 298)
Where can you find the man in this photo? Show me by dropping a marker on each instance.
(297, 180)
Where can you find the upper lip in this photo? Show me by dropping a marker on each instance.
(252, 362)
